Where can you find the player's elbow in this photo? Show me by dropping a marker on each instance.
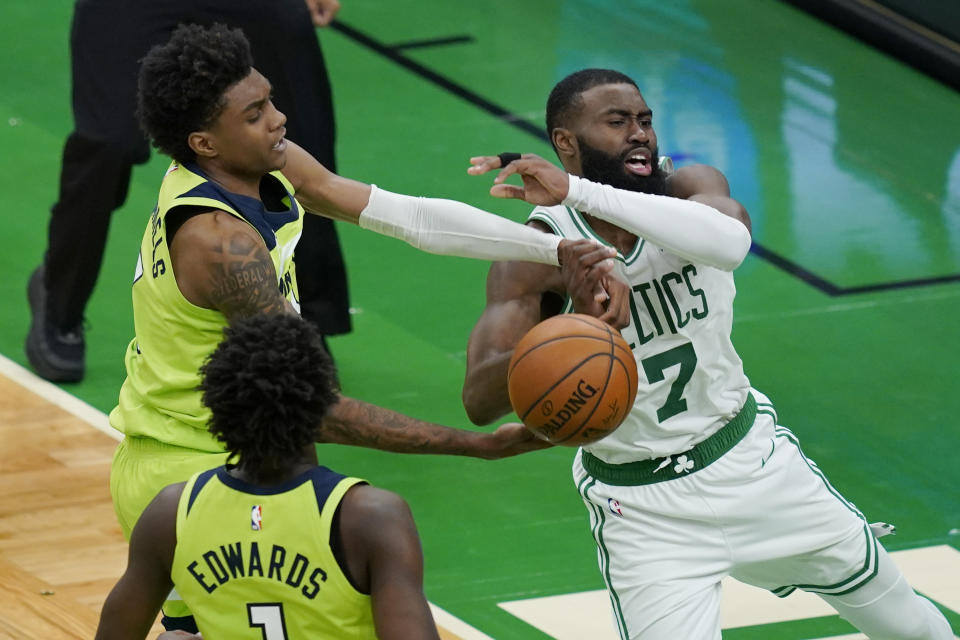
(732, 244)
(737, 249)
(479, 412)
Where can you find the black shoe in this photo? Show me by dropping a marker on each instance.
(56, 355)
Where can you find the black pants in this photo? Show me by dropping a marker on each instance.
(107, 40)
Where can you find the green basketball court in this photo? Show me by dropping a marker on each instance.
(848, 306)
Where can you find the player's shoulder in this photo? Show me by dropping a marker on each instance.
(693, 179)
(163, 507)
(210, 229)
(548, 218)
(366, 509)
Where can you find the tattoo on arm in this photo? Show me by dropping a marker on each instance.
(358, 423)
(242, 278)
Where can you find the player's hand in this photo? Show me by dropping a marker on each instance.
(543, 183)
(617, 306)
(322, 12)
(586, 267)
(511, 439)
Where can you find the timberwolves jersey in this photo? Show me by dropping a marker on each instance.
(691, 378)
(254, 563)
(159, 398)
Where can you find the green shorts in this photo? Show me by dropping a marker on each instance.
(143, 466)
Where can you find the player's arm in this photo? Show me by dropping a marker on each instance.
(221, 263)
(705, 184)
(383, 554)
(358, 423)
(690, 228)
(132, 606)
(518, 297)
(435, 225)
(515, 294)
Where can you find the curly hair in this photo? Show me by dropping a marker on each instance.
(182, 84)
(269, 384)
(565, 98)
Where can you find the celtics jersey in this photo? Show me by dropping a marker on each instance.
(681, 314)
(159, 398)
(256, 563)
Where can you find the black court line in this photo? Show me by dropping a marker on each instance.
(833, 290)
(393, 53)
(441, 81)
(433, 42)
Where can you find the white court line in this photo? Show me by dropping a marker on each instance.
(58, 397)
(930, 570)
(98, 420)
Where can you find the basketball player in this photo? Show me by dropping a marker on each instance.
(219, 247)
(708, 484)
(273, 541)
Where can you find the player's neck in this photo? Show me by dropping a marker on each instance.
(243, 184)
(273, 476)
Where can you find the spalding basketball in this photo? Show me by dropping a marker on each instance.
(572, 379)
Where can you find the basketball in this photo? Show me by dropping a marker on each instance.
(572, 379)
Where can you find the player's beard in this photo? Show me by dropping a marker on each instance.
(600, 166)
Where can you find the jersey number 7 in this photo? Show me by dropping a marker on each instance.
(654, 366)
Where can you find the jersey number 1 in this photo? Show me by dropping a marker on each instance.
(269, 617)
(654, 366)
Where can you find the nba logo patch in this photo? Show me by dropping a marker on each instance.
(614, 506)
(256, 518)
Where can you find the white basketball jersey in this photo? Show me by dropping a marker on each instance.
(681, 314)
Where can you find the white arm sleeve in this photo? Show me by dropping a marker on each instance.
(689, 229)
(452, 228)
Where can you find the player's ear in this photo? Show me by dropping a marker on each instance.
(201, 144)
(564, 142)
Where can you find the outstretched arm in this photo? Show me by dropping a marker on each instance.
(444, 227)
(517, 295)
(687, 225)
(361, 424)
(135, 600)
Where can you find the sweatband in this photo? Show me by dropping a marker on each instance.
(451, 228)
(689, 229)
(507, 158)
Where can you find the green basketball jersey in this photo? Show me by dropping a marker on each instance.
(159, 398)
(256, 563)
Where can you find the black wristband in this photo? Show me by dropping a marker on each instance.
(507, 158)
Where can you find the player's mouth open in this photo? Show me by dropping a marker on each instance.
(638, 162)
(280, 145)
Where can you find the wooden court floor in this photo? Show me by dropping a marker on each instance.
(61, 549)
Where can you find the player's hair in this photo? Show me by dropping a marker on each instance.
(269, 384)
(182, 83)
(565, 98)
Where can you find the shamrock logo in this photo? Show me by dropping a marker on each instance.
(683, 465)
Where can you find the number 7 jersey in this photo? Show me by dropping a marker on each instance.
(691, 380)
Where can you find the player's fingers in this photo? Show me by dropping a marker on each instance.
(617, 310)
(600, 257)
(539, 436)
(482, 164)
(600, 295)
(507, 191)
(507, 171)
(585, 253)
